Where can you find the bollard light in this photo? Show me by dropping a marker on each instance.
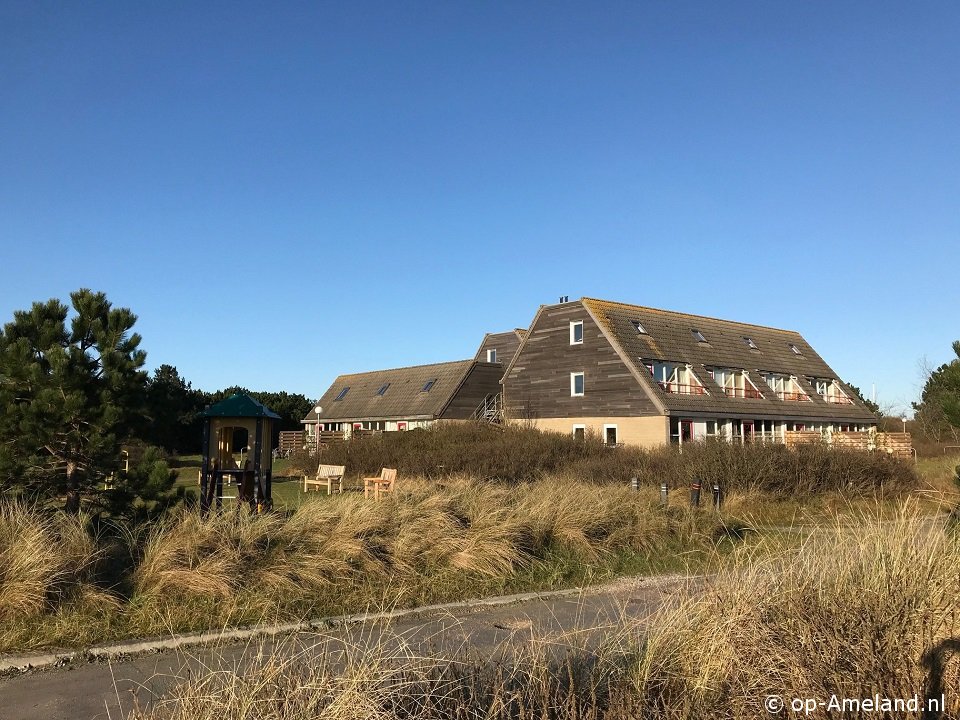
(635, 483)
(717, 496)
(664, 492)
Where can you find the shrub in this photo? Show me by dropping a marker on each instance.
(516, 454)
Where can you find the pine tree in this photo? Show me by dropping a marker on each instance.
(68, 395)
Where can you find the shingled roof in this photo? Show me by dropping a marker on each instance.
(670, 336)
(404, 397)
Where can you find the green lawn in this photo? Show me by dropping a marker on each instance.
(287, 490)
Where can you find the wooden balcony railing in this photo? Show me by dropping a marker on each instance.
(681, 389)
(794, 396)
(747, 392)
(838, 399)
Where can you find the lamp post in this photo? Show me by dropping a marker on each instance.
(903, 419)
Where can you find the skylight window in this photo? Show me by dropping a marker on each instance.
(640, 329)
(750, 343)
(343, 393)
(383, 389)
(795, 349)
(429, 384)
(698, 336)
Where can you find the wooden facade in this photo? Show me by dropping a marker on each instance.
(481, 382)
(505, 346)
(588, 366)
(538, 385)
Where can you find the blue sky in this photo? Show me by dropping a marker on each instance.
(287, 191)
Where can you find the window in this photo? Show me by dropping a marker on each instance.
(343, 393)
(785, 387)
(576, 332)
(698, 336)
(795, 349)
(639, 327)
(750, 343)
(576, 384)
(610, 435)
(579, 432)
(383, 389)
(492, 355)
(735, 383)
(675, 377)
(429, 384)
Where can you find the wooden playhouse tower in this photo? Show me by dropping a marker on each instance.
(248, 464)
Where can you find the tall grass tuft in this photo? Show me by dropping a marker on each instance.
(852, 613)
(45, 559)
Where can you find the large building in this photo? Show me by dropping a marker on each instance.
(642, 376)
(634, 375)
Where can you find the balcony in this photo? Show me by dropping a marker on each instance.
(794, 396)
(680, 389)
(838, 399)
(750, 393)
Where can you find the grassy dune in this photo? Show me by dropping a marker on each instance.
(854, 611)
(331, 555)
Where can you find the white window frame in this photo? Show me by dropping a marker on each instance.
(492, 355)
(573, 384)
(616, 431)
(573, 325)
(578, 426)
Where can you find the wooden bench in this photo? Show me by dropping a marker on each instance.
(384, 483)
(327, 475)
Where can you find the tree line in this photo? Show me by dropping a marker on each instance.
(74, 397)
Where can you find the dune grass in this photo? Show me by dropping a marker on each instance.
(335, 555)
(851, 612)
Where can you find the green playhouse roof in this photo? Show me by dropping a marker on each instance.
(239, 405)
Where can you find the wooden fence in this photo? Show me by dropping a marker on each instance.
(290, 440)
(897, 444)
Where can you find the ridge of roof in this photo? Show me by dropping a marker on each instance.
(407, 367)
(629, 306)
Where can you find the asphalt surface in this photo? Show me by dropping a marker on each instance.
(109, 689)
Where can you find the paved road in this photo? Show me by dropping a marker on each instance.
(98, 691)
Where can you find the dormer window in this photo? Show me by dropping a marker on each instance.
(429, 384)
(750, 343)
(343, 393)
(830, 390)
(638, 327)
(698, 336)
(576, 332)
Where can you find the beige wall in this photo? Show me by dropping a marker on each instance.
(649, 431)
